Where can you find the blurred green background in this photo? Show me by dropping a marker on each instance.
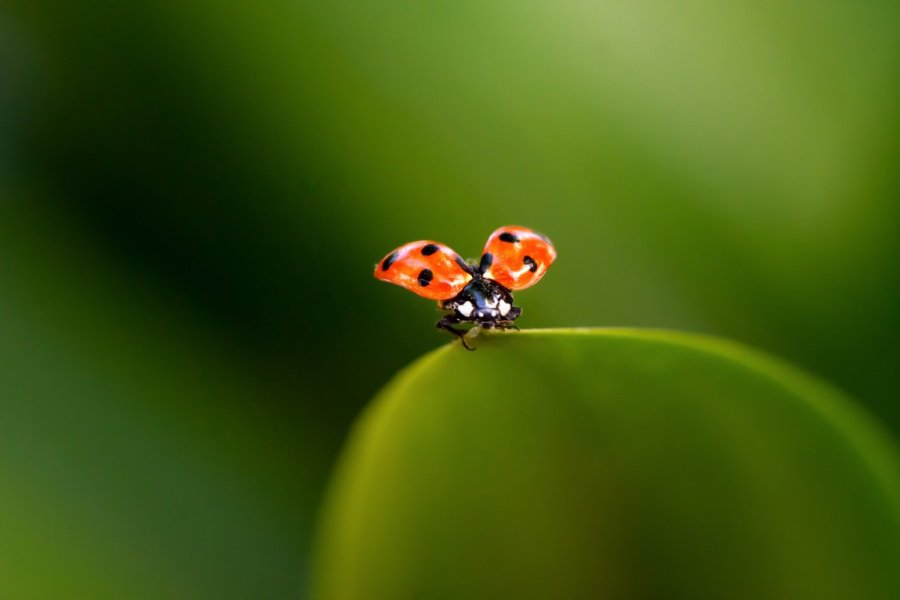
(193, 194)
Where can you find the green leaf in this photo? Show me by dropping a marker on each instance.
(610, 463)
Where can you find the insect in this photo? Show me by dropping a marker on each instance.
(477, 293)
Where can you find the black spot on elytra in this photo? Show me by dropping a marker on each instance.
(487, 259)
(425, 277)
(532, 266)
(429, 249)
(389, 261)
(509, 237)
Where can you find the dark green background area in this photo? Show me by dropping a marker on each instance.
(193, 194)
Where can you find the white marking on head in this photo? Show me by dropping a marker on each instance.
(504, 308)
(465, 309)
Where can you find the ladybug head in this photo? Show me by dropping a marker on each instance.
(482, 301)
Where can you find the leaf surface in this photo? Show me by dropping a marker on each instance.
(610, 463)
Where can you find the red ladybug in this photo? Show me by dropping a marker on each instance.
(514, 258)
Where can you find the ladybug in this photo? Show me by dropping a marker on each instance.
(514, 258)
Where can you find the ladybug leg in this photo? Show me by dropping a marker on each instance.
(512, 315)
(447, 323)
